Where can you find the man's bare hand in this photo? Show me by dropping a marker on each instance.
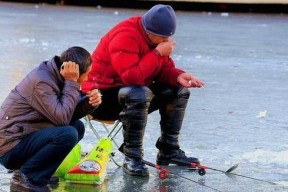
(166, 48)
(188, 81)
(95, 97)
(70, 71)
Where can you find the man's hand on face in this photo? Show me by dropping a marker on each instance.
(70, 71)
(166, 48)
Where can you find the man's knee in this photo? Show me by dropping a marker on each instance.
(80, 128)
(183, 93)
(135, 94)
(174, 92)
(68, 136)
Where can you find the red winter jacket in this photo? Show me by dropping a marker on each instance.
(125, 56)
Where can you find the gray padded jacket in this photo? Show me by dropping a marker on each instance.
(42, 99)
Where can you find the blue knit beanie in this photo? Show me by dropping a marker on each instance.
(160, 20)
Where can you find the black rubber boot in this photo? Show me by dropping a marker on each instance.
(176, 157)
(135, 167)
(172, 114)
(136, 101)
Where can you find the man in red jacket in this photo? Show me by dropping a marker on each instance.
(136, 76)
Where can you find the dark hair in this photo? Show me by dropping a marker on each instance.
(78, 55)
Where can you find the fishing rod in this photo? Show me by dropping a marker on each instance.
(202, 168)
(164, 173)
(229, 171)
(202, 171)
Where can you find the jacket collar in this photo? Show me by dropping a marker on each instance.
(55, 66)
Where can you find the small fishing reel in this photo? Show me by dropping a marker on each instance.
(163, 173)
(201, 171)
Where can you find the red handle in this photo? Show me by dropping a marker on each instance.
(163, 174)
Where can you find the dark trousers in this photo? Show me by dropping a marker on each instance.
(132, 104)
(39, 154)
(111, 106)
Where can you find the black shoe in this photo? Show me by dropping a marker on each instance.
(135, 167)
(21, 183)
(16, 176)
(178, 158)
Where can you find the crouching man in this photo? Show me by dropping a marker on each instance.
(37, 125)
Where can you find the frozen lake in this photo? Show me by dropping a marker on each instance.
(238, 117)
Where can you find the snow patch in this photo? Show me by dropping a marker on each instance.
(262, 114)
(27, 40)
(283, 183)
(225, 14)
(267, 156)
